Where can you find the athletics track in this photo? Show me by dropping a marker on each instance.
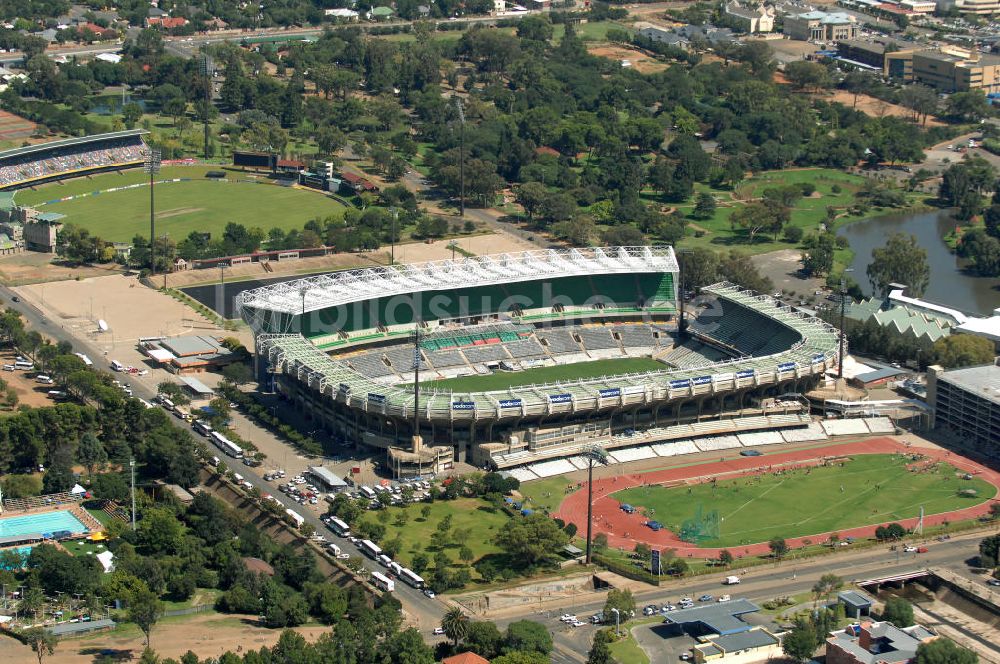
(626, 530)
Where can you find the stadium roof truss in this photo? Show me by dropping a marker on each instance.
(812, 354)
(316, 293)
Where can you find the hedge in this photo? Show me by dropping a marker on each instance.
(627, 571)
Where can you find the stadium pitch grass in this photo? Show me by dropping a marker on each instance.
(870, 489)
(502, 380)
(181, 207)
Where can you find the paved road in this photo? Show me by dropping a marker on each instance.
(424, 611)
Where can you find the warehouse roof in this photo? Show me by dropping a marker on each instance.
(722, 618)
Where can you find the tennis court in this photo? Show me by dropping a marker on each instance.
(44, 523)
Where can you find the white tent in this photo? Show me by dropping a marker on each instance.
(77, 490)
(106, 558)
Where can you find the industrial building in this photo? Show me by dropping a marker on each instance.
(967, 402)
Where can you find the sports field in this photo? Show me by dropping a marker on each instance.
(567, 372)
(866, 490)
(181, 207)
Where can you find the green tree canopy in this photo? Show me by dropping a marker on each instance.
(902, 260)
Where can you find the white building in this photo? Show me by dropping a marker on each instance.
(751, 19)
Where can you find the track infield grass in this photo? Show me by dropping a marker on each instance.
(562, 373)
(181, 207)
(868, 489)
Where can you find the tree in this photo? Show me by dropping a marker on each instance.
(989, 551)
(41, 640)
(455, 624)
(778, 547)
(943, 650)
(600, 653)
(970, 106)
(901, 260)
(144, 609)
(531, 539)
(237, 373)
(621, 600)
(962, 350)
(704, 207)
(90, 453)
(818, 259)
(898, 611)
(807, 75)
(131, 113)
(800, 643)
(858, 82)
(527, 636)
(522, 657)
(827, 584)
(408, 647)
(726, 558)
(484, 639)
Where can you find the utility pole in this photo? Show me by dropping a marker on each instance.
(153, 162)
(131, 465)
(416, 380)
(392, 240)
(164, 258)
(461, 156)
(206, 70)
(679, 293)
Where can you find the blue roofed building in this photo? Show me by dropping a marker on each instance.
(723, 635)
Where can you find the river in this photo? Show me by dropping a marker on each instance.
(948, 284)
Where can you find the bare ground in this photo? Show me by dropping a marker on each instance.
(641, 62)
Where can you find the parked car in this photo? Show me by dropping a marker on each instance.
(438, 631)
(705, 598)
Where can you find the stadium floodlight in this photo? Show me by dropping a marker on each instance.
(152, 166)
(461, 156)
(843, 335)
(207, 67)
(593, 453)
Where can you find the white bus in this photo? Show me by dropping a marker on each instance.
(367, 492)
(382, 582)
(226, 445)
(202, 427)
(86, 360)
(296, 517)
(339, 527)
(411, 577)
(370, 548)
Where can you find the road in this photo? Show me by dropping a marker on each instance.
(423, 611)
(759, 584)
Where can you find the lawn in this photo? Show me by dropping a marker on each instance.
(546, 494)
(569, 372)
(474, 524)
(181, 207)
(866, 490)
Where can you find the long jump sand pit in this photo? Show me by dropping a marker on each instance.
(627, 530)
(130, 309)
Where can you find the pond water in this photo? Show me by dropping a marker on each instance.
(949, 285)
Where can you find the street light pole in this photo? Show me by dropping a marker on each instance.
(392, 240)
(618, 616)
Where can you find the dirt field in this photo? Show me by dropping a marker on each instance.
(875, 107)
(279, 268)
(32, 267)
(476, 244)
(208, 635)
(641, 62)
(782, 267)
(29, 391)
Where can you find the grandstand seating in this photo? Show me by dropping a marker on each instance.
(525, 349)
(371, 364)
(756, 438)
(852, 427)
(559, 341)
(446, 358)
(401, 358)
(675, 448)
(70, 156)
(693, 353)
(551, 468)
(633, 454)
(812, 432)
(596, 338)
(880, 425)
(635, 336)
(712, 443)
(486, 353)
(521, 474)
(749, 331)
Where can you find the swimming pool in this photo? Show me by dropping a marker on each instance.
(41, 524)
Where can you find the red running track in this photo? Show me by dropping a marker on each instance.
(626, 530)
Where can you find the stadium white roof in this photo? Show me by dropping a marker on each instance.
(338, 288)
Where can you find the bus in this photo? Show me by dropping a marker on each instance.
(339, 527)
(226, 445)
(382, 582)
(411, 577)
(202, 427)
(367, 492)
(370, 548)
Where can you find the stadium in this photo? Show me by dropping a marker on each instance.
(56, 160)
(533, 358)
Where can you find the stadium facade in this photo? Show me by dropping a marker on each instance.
(344, 347)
